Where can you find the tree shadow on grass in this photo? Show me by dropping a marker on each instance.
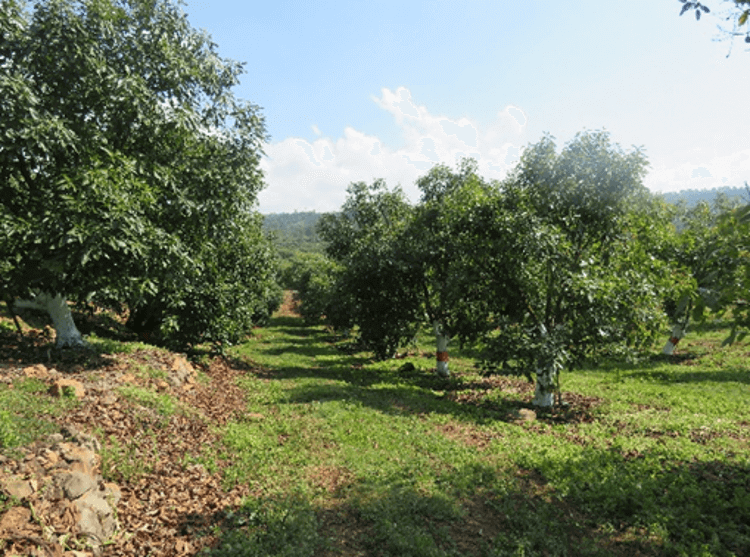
(481, 511)
(397, 389)
(697, 508)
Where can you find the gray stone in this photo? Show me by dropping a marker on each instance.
(19, 489)
(97, 517)
(76, 484)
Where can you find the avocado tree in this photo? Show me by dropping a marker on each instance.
(705, 258)
(734, 227)
(373, 289)
(128, 170)
(404, 267)
(583, 284)
(444, 248)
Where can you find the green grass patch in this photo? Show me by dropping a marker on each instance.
(26, 411)
(164, 404)
(652, 458)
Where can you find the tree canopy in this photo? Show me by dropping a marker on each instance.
(128, 170)
(551, 266)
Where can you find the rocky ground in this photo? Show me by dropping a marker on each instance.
(118, 478)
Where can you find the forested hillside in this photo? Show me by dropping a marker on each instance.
(693, 197)
(294, 231)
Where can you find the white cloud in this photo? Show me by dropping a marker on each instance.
(304, 175)
(314, 175)
(725, 170)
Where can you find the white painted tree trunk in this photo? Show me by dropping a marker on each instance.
(62, 320)
(441, 339)
(677, 334)
(546, 384)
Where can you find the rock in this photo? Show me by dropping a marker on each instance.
(524, 415)
(69, 431)
(66, 387)
(55, 438)
(61, 480)
(182, 372)
(39, 371)
(81, 459)
(75, 484)
(14, 521)
(97, 517)
(16, 487)
(51, 458)
(113, 493)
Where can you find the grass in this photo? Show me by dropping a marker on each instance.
(25, 412)
(652, 459)
(344, 455)
(163, 404)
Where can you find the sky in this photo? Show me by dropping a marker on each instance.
(359, 90)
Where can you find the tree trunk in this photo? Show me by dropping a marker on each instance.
(677, 334)
(441, 339)
(546, 385)
(62, 320)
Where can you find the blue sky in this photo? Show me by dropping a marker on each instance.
(359, 90)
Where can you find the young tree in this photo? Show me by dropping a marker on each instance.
(374, 289)
(584, 283)
(440, 248)
(128, 170)
(734, 228)
(701, 256)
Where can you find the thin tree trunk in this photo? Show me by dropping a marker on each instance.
(677, 334)
(62, 319)
(441, 339)
(15, 316)
(546, 385)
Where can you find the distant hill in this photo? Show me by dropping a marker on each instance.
(294, 231)
(693, 197)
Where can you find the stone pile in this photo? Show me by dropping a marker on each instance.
(66, 506)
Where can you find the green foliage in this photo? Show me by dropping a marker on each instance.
(734, 228)
(690, 198)
(408, 523)
(584, 281)
(122, 462)
(128, 170)
(738, 15)
(8, 434)
(314, 285)
(294, 232)
(375, 289)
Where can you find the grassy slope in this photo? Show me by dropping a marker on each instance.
(347, 456)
